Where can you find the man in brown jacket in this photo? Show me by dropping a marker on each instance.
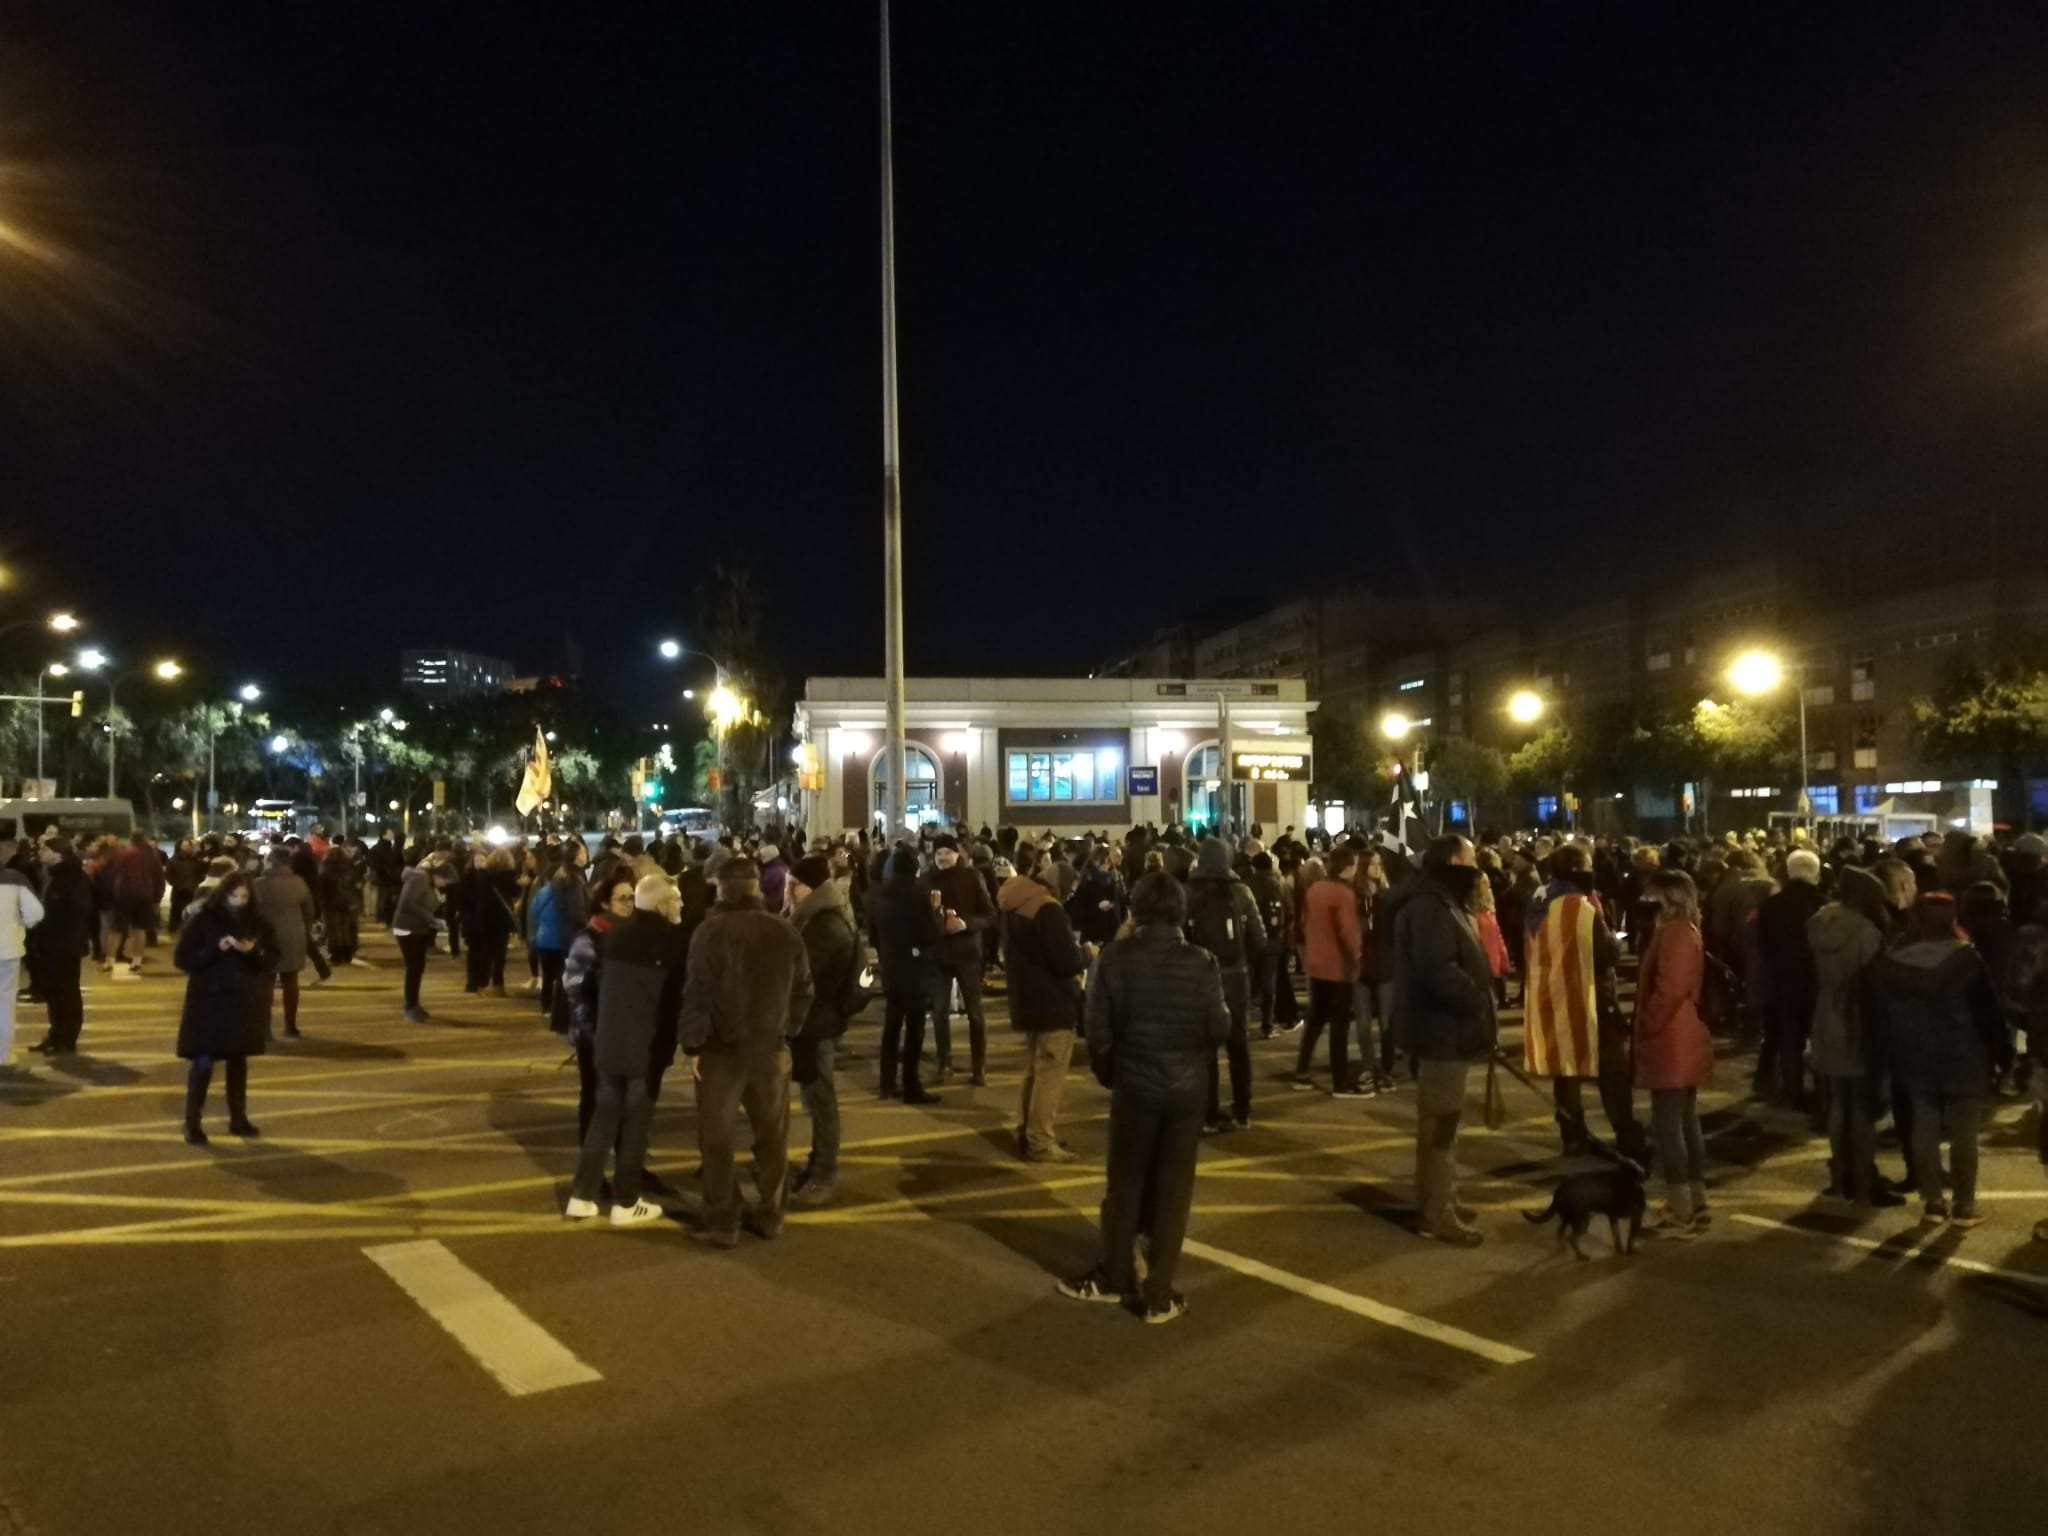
(748, 989)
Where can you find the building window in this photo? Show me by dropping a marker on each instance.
(1820, 695)
(1868, 797)
(2037, 798)
(921, 801)
(1063, 777)
(1825, 799)
(1413, 683)
(1660, 661)
(1546, 808)
(1822, 761)
(1863, 678)
(1865, 757)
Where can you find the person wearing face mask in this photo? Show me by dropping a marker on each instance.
(227, 953)
(1444, 1018)
(965, 914)
(1573, 1028)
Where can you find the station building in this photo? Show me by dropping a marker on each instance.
(1059, 754)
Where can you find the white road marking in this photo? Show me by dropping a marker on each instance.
(1362, 1306)
(522, 1355)
(1919, 1250)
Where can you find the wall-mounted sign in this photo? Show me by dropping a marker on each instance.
(1278, 767)
(1144, 781)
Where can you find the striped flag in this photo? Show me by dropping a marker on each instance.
(539, 781)
(1560, 1031)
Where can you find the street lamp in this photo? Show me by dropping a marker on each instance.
(1756, 672)
(1395, 727)
(54, 669)
(60, 623)
(248, 693)
(671, 649)
(163, 671)
(1525, 708)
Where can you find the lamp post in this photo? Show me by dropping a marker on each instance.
(60, 623)
(163, 670)
(1759, 672)
(54, 669)
(248, 693)
(724, 707)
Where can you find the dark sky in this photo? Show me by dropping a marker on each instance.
(342, 328)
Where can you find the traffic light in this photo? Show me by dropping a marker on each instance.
(77, 704)
(651, 790)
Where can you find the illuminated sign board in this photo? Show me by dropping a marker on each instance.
(1278, 767)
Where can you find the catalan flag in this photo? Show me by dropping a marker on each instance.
(1560, 1028)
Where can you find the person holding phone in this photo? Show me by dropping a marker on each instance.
(227, 953)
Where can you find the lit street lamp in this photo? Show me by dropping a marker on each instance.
(1525, 708)
(248, 693)
(1758, 672)
(1395, 727)
(163, 671)
(59, 623)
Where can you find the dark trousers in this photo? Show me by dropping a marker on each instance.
(1152, 1150)
(62, 997)
(319, 961)
(758, 1084)
(618, 1129)
(1329, 1006)
(414, 946)
(1617, 1092)
(1781, 1059)
(387, 901)
(586, 1085)
(199, 1075)
(811, 1066)
(550, 976)
(1956, 1118)
(487, 960)
(288, 983)
(957, 962)
(1286, 1007)
(1236, 987)
(902, 1040)
(1265, 984)
(1852, 1136)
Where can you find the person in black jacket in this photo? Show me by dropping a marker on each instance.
(1042, 967)
(1789, 978)
(1444, 1017)
(386, 865)
(966, 913)
(60, 942)
(824, 917)
(226, 951)
(1155, 1017)
(490, 900)
(1224, 919)
(903, 919)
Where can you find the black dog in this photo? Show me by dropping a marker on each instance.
(1616, 1193)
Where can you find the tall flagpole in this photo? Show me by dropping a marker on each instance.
(892, 476)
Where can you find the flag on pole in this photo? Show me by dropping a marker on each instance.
(539, 782)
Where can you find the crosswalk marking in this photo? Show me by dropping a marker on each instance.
(523, 1356)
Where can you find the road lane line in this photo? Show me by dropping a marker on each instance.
(1362, 1306)
(523, 1356)
(1917, 1253)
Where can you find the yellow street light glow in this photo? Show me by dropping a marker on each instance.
(63, 623)
(167, 670)
(724, 706)
(1525, 707)
(57, 669)
(1396, 726)
(1756, 672)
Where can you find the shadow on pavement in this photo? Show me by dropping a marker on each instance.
(335, 1050)
(90, 1069)
(305, 1177)
(22, 1088)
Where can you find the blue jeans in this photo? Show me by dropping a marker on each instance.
(1372, 1011)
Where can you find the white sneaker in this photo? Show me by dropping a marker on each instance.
(579, 1210)
(359, 960)
(317, 981)
(637, 1214)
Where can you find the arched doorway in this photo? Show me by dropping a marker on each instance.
(1202, 771)
(922, 801)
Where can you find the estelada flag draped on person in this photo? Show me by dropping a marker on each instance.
(1560, 1027)
(539, 782)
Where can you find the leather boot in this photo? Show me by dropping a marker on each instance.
(239, 1123)
(197, 1077)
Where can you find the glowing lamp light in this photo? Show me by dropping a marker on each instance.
(250, 693)
(1756, 672)
(1396, 726)
(497, 837)
(280, 743)
(394, 805)
(167, 670)
(63, 623)
(57, 669)
(954, 742)
(387, 716)
(1525, 707)
(671, 649)
(178, 804)
(92, 661)
(855, 743)
(724, 706)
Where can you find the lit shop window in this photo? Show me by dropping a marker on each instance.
(1063, 777)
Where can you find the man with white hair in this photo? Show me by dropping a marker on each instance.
(1790, 982)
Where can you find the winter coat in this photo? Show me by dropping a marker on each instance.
(1845, 943)
(749, 987)
(571, 906)
(337, 894)
(287, 906)
(1672, 1046)
(19, 912)
(1219, 903)
(1329, 930)
(1096, 909)
(1941, 1023)
(1156, 1012)
(575, 1011)
(638, 959)
(905, 930)
(1042, 959)
(544, 918)
(69, 915)
(491, 899)
(825, 919)
(1781, 920)
(1276, 908)
(227, 993)
(1443, 991)
(184, 872)
(418, 901)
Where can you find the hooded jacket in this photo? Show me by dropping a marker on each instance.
(1043, 960)
(1156, 1012)
(68, 913)
(905, 928)
(825, 919)
(749, 985)
(1443, 988)
(1844, 943)
(1219, 902)
(1941, 1019)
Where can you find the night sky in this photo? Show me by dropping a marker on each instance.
(339, 328)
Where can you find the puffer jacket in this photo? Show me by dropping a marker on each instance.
(1156, 1011)
(1844, 944)
(749, 987)
(19, 912)
(1443, 987)
(1042, 958)
(1941, 1022)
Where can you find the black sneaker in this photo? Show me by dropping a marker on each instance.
(919, 1096)
(1088, 1288)
(1352, 1090)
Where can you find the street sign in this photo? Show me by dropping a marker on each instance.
(1278, 767)
(212, 801)
(1213, 690)
(1144, 781)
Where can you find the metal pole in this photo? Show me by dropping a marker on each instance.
(211, 798)
(39, 728)
(1804, 802)
(1229, 811)
(111, 687)
(892, 481)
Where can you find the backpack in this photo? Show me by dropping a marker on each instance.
(1212, 922)
(1273, 912)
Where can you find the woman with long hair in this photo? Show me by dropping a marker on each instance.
(1674, 1054)
(574, 1014)
(228, 955)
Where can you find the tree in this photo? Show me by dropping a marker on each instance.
(1988, 721)
(1350, 765)
(1744, 740)
(1468, 771)
(1545, 762)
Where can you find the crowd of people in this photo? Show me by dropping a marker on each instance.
(1905, 984)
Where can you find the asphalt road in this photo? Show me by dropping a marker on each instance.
(268, 1337)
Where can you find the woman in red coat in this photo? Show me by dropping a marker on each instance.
(1674, 1054)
